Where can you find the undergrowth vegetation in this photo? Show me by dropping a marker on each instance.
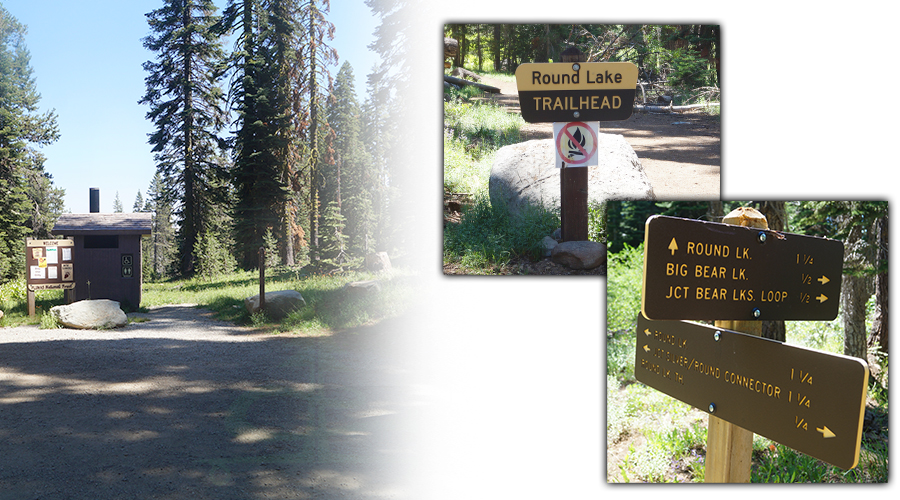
(652, 437)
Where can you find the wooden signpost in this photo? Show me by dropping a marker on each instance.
(575, 91)
(737, 275)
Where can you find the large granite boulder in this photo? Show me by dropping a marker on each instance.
(279, 304)
(524, 173)
(87, 314)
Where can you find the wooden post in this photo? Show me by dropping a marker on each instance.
(262, 278)
(31, 306)
(728, 447)
(573, 185)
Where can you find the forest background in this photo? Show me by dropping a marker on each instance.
(251, 88)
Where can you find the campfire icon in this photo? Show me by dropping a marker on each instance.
(574, 150)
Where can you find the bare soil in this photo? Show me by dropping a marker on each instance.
(181, 406)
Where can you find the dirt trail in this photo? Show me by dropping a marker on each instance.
(185, 407)
(681, 153)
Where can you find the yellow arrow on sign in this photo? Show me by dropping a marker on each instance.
(673, 246)
(646, 349)
(647, 332)
(821, 298)
(826, 432)
(823, 280)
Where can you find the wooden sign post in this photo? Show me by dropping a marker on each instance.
(728, 447)
(744, 273)
(573, 186)
(575, 90)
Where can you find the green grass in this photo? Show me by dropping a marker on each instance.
(328, 306)
(489, 235)
(14, 303)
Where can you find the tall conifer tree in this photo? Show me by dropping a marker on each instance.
(185, 106)
(352, 164)
(318, 57)
(257, 174)
(23, 182)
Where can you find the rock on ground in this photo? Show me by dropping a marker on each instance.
(525, 173)
(378, 262)
(279, 304)
(579, 254)
(363, 287)
(89, 314)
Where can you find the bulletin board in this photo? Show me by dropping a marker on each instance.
(49, 264)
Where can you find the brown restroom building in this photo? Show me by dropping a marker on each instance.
(107, 253)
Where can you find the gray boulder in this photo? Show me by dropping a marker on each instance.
(547, 246)
(87, 314)
(378, 262)
(579, 254)
(525, 173)
(279, 304)
(359, 288)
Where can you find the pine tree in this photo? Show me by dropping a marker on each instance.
(352, 164)
(47, 201)
(257, 174)
(185, 106)
(117, 204)
(377, 135)
(138, 203)
(161, 244)
(21, 166)
(318, 56)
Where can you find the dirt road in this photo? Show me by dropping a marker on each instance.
(681, 153)
(185, 407)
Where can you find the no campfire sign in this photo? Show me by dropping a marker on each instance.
(576, 144)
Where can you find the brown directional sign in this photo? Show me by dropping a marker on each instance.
(580, 91)
(808, 400)
(705, 270)
(49, 264)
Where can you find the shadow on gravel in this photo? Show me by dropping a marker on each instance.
(173, 418)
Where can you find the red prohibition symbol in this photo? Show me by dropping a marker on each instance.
(572, 143)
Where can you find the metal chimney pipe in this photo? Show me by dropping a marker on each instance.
(95, 200)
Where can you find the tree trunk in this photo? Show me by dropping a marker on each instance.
(314, 146)
(460, 81)
(495, 47)
(853, 307)
(854, 295)
(879, 337)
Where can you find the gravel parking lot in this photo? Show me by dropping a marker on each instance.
(179, 405)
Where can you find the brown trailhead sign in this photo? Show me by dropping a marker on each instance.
(576, 91)
(808, 400)
(705, 270)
